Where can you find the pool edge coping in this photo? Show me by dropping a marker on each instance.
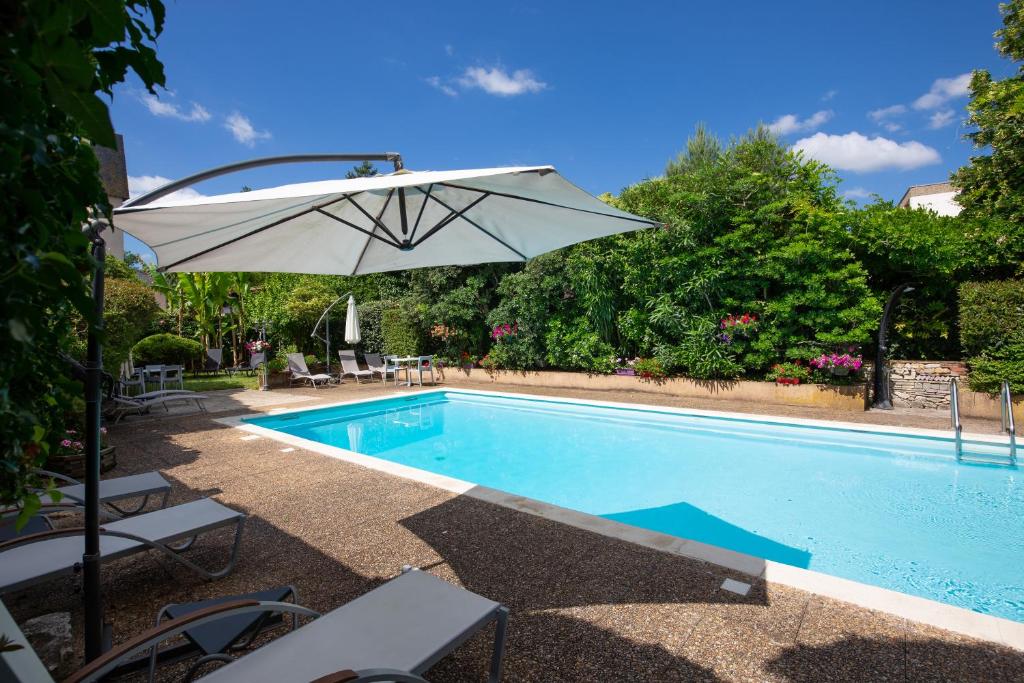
(914, 608)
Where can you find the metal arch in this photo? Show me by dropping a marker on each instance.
(394, 157)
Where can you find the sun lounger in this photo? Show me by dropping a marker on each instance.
(350, 366)
(393, 633)
(141, 404)
(379, 366)
(255, 361)
(298, 371)
(30, 559)
(113, 490)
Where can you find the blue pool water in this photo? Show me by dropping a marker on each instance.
(896, 511)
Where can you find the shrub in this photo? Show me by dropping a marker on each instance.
(371, 316)
(992, 333)
(788, 370)
(167, 349)
(649, 368)
(574, 346)
(990, 314)
(399, 332)
(513, 352)
(129, 313)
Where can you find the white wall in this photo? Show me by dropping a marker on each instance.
(942, 203)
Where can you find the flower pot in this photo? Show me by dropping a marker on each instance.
(840, 372)
(626, 372)
(73, 465)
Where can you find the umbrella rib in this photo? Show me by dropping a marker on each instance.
(557, 206)
(373, 234)
(356, 227)
(312, 209)
(419, 215)
(462, 214)
(452, 215)
(377, 221)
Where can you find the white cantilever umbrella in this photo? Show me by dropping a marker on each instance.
(366, 225)
(344, 227)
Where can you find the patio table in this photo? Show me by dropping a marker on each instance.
(163, 374)
(420, 362)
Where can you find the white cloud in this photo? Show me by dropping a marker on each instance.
(855, 152)
(943, 90)
(436, 82)
(497, 81)
(141, 184)
(829, 95)
(941, 119)
(243, 131)
(156, 107)
(449, 49)
(883, 117)
(857, 193)
(790, 123)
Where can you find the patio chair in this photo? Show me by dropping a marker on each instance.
(121, 406)
(33, 558)
(114, 490)
(393, 633)
(298, 371)
(252, 366)
(350, 366)
(212, 361)
(378, 366)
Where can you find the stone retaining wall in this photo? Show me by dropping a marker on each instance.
(924, 383)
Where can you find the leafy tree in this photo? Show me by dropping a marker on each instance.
(363, 170)
(702, 149)
(993, 184)
(56, 60)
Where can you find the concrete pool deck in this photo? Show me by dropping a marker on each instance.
(584, 606)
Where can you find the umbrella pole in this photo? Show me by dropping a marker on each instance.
(93, 399)
(327, 324)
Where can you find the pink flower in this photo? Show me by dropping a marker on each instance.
(76, 444)
(66, 443)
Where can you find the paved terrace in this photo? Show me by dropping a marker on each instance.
(584, 607)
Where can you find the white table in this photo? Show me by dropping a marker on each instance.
(164, 374)
(407, 362)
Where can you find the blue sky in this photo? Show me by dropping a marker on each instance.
(605, 91)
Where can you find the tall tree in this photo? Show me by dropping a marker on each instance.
(993, 184)
(57, 61)
(363, 170)
(702, 148)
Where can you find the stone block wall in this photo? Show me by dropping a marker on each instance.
(924, 383)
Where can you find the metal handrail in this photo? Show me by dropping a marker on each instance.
(954, 415)
(1006, 419)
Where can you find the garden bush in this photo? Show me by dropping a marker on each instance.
(574, 346)
(371, 315)
(399, 331)
(992, 333)
(167, 349)
(991, 313)
(129, 314)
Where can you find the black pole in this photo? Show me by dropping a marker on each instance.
(93, 399)
(881, 395)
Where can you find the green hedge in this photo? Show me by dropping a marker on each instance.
(167, 349)
(399, 332)
(371, 315)
(992, 333)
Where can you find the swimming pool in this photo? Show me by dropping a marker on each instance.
(893, 510)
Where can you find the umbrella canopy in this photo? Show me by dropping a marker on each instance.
(397, 221)
(352, 322)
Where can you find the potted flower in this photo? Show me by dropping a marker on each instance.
(839, 364)
(789, 373)
(69, 458)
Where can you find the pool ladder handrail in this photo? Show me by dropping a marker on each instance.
(1006, 419)
(954, 415)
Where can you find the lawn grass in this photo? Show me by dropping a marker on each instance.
(221, 381)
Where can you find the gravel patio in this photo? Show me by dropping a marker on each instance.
(584, 607)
